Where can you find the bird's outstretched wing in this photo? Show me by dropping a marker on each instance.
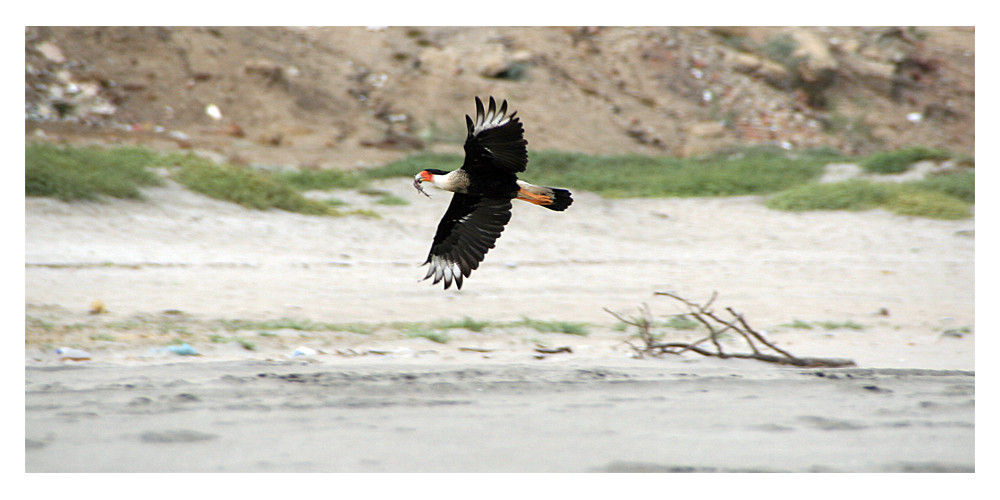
(495, 140)
(467, 231)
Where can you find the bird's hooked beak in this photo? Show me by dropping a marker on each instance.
(421, 177)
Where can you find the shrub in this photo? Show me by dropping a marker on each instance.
(961, 185)
(245, 186)
(932, 204)
(70, 173)
(847, 195)
(555, 326)
(904, 199)
(466, 323)
(752, 171)
(432, 335)
(894, 162)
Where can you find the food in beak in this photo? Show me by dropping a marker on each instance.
(416, 184)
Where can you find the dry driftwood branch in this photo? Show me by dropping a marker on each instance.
(703, 314)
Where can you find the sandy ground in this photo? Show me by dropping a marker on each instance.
(421, 406)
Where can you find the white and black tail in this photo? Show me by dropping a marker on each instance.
(551, 198)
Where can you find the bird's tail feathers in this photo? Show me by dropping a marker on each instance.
(551, 198)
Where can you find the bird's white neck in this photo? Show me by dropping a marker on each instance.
(455, 181)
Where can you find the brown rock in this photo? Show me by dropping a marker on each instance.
(51, 52)
(774, 74)
(707, 129)
(705, 137)
(270, 70)
(741, 61)
(818, 63)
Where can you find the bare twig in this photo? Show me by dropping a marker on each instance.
(702, 313)
(553, 350)
(739, 317)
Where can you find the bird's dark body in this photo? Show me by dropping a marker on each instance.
(492, 184)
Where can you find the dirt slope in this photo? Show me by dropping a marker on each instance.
(351, 96)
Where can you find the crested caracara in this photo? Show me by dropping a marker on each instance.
(483, 187)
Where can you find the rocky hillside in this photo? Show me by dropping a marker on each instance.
(346, 97)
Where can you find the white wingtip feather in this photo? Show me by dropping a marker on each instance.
(491, 117)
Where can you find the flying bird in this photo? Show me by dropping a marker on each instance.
(483, 187)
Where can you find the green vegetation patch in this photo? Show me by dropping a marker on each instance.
(837, 325)
(682, 322)
(780, 49)
(432, 335)
(961, 185)
(847, 195)
(69, 173)
(798, 324)
(74, 173)
(754, 171)
(303, 325)
(554, 326)
(246, 344)
(245, 186)
(894, 162)
(466, 323)
(930, 198)
(931, 204)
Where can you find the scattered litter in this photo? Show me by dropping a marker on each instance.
(955, 333)
(378, 80)
(915, 117)
(103, 108)
(178, 135)
(183, 350)
(97, 307)
(303, 351)
(51, 52)
(213, 111)
(877, 389)
(70, 354)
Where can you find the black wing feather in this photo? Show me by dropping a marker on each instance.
(469, 229)
(495, 140)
